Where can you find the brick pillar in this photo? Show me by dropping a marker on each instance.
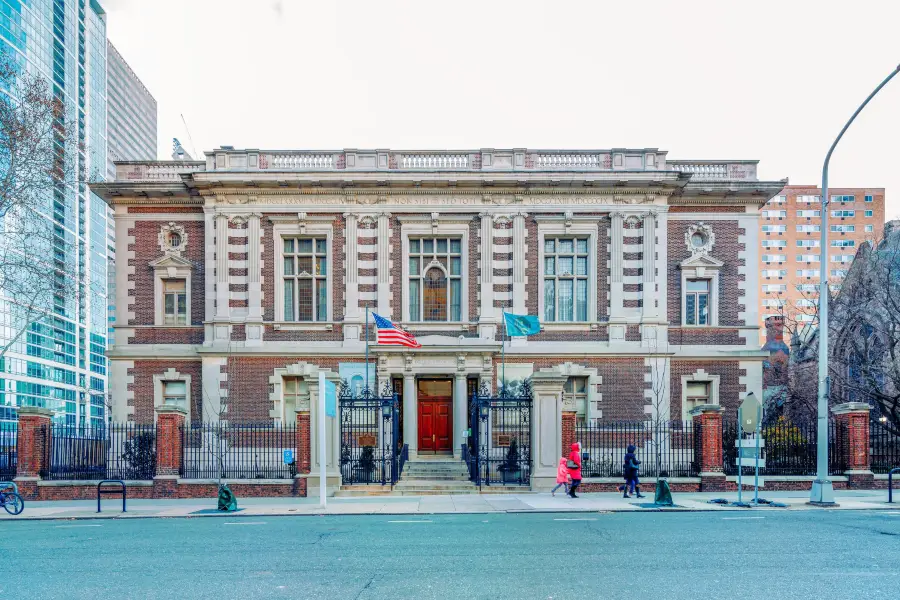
(568, 432)
(707, 422)
(32, 448)
(302, 452)
(169, 449)
(852, 419)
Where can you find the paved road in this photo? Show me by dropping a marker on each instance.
(846, 554)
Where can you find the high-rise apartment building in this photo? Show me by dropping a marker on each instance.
(60, 363)
(132, 130)
(790, 244)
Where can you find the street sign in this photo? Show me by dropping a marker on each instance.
(748, 453)
(750, 412)
(750, 462)
(288, 456)
(749, 443)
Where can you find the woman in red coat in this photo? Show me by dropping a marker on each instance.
(574, 472)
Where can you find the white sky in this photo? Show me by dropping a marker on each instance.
(770, 80)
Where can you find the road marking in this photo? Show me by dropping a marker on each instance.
(71, 526)
(740, 518)
(410, 521)
(250, 523)
(574, 519)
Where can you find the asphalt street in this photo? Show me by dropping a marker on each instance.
(760, 555)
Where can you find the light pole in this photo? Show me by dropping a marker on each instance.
(822, 492)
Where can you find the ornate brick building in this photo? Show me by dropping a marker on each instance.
(242, 276)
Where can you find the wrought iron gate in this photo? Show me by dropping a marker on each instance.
(501, 437)
(370, 436)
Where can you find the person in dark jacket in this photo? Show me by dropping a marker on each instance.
(630, 466)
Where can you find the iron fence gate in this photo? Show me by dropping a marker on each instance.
(501, 437)
(370, 436)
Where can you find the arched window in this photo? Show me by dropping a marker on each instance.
(434, 298)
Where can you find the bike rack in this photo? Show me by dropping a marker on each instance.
(9, 484)
(890, 484)
(122, 490)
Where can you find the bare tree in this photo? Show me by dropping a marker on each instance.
(660, 401)
(37, 175)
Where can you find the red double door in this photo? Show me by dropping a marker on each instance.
(435, 398)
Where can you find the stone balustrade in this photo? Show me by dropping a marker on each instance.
(156, 170)
(714, 170)
(434, 161)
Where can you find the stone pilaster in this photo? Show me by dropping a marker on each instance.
(519, 263)
(546, 426)
(351, 274)
(616, 250)
(487, 320)
(650, 309)
(410, 414)
(460, 422)
(384, 268)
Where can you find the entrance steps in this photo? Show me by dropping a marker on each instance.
(430, 477)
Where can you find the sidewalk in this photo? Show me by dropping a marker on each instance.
(424, 505)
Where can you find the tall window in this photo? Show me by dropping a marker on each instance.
(575, 390)
(305, 279)
(698, 392)
(435, 279)
(565, 279)
(175, 393)
(696, 302)
(175, 298)
(293, 389)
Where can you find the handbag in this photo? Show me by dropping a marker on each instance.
(571, 464)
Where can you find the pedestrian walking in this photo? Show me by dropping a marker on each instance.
(573, 466)
(562, 477)
(630, 467)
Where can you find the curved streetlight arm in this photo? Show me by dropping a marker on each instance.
(822, 491)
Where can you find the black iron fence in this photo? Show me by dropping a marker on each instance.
(239, 451)
(371, 452)
(790, 448)
(501, 436)
(8, 454)
(667, 448)
(884, 447)
(116, 451)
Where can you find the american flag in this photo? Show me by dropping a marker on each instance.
(388, 333)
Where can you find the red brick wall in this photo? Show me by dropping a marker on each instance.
(146, 249)
(704, 336)
(168, 335)
(143, 372)
(725, 249)
(731, 392)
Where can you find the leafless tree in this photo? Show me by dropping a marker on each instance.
(660, 400)
(37, 176)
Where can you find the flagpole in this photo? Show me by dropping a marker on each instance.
(367, 346)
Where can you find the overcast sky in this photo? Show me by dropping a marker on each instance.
(770, 80)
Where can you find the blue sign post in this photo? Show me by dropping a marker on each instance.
(288, 456)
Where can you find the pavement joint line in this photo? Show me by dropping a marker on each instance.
(410, 521)
(574, 519)
(740, 518)
(70, 526)
(250, 523)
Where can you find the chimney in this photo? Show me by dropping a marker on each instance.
(775, 329)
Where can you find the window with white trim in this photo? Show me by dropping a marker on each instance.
(809, 214)
(806, 303)
(774, 243)
(839, 272)
(696, 302)
(870, 213)
(843, 198)
(808, 258)
(869, 198)
(843, 243)
(807, 199)
(809, 228)
(807, 272)
(566, 279)
(805, 318)
(774, 302)
(809, 287)
(870, 228)
(778, 200)
(697, 394)
(808, 243)
(776, 258)
(774, 228)
(774, 287)
(774, 273)
(842, 258)
(575, 390)
(175, 393)
(843, 228)
(292, 390)
(305, 278)
(841, 214)
(435, 279)
(174, 302)
(774, 214)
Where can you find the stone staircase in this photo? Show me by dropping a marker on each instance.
(429, 477)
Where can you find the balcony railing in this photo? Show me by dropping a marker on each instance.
(156, 170)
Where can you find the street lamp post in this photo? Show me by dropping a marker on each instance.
(822, 492)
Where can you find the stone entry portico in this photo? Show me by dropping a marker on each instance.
(460, 363)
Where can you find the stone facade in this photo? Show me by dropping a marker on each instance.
(643, 226)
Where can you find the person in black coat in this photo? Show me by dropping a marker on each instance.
(630, 466)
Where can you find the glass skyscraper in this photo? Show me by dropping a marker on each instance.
(60, 362)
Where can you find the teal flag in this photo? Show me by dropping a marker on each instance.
(518, 325)
(330, 399)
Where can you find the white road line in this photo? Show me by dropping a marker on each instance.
(740, 518)
(250, 523)
(574, 519)
(71, 526)
(410, 521)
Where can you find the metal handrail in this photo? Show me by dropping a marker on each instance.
(7, 484)
(891, 484)
(122, 491)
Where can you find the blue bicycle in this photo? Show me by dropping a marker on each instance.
(11, 501)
